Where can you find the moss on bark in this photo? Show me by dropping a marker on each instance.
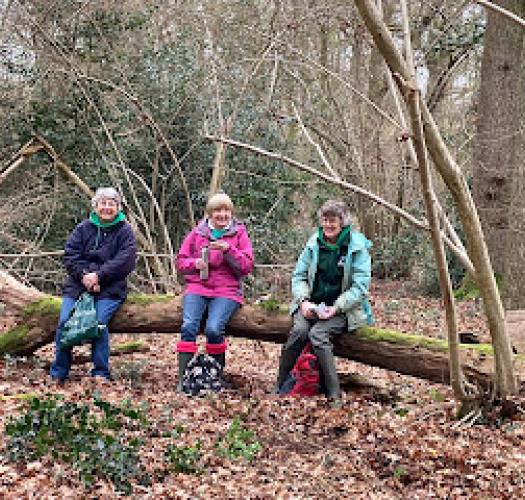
(47, 305)
(128, 346)
(400, 338)
(13, 338)
(144, 300)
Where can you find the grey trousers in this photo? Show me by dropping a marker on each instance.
(318, 331)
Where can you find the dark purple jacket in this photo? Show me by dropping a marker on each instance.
(112, 256)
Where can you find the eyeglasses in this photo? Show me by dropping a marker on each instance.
(330, 220)
(107, 203)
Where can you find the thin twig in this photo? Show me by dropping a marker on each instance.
(320, 152)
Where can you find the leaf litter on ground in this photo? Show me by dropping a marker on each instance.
(403, 446)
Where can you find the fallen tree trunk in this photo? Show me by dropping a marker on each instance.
(34, 318)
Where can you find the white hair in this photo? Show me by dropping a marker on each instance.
(337, 209)
(106, 193)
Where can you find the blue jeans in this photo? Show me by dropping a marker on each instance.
(220, 311)
(106, 308)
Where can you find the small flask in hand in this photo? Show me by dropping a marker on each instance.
(204, 256)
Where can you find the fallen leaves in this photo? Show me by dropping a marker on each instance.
(398, 442)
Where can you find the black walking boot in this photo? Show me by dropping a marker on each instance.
(288, 358)
(183, 360)
(220, 358)
(331, 379)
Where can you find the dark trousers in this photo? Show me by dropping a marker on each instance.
(318, 331)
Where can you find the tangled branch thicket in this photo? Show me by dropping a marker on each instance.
(125, 93)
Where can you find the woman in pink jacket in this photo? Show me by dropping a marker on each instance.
(213, 257)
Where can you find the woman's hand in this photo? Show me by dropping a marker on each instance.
(327, 313)
(200, 264)
(307, 309)
(221, 245)
(90, 281)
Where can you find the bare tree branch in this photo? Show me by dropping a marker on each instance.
(462, 256)
(500, 10)
(318, 148)
(506, 382)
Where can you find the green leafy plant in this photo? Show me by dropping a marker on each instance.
(394, 257)
(402, 412)
(174, 433)
(91, 438)
(270, 304)
(238, 442)
(436, 395)
(183, 458)
(399, 472)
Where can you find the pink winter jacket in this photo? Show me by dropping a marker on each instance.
(225, 268)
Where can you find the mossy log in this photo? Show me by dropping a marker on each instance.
(36, 314)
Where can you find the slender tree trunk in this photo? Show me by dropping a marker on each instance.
(456, 374)
(505, 383)
(413, 100)
(219, 162)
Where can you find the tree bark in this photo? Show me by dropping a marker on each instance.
(35, 316)
(498, 177)
(429, 197)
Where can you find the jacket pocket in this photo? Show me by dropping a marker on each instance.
(356, 317)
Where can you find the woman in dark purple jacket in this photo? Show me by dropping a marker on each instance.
(99, 255)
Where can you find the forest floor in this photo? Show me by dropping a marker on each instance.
(407, 445)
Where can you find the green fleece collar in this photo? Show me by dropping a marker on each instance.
(341, 239)
(217, 233)
(93, 217)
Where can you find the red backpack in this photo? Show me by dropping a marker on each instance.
(304, 376)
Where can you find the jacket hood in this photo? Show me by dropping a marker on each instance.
(204, 229)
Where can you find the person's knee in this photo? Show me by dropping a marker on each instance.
(298, 334)
(106, 310)
(65, 312)
(319, 339)
(214, 334)
(190, 325)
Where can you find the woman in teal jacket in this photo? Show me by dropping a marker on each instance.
(330, 293)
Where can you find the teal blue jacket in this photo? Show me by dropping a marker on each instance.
(357, 273)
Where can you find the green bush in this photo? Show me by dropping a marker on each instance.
(430, 278)
(394, 258)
